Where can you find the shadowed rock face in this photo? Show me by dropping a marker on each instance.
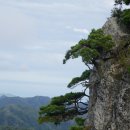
(109, 105)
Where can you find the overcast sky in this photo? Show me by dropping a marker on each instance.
(34, 37)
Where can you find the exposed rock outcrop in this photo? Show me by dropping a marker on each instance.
(109, 105)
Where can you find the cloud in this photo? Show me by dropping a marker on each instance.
(6, 56)
(108, 3)
(78, 30)
(73, 5)
(81, 30)
(68, 27)
(16, 28)
(24, 67)
(34, 77)
(34, 38)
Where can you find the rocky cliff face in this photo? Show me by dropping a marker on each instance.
(109, 106)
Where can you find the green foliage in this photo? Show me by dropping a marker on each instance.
(127, 2)
(81, 128)
(85, 76)
(61, 108)
(52, 110)
(80, 121)
(80, 124)
(116, 12)
(129, 69)
(77, 128)
(67, 98)
(125, 17)
(120, 2)
(90, 49)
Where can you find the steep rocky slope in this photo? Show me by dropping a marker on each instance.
(109, 105)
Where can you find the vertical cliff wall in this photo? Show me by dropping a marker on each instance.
(109, 105)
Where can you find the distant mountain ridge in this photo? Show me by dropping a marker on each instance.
(34, 102)
(7, 95)
(18, 113)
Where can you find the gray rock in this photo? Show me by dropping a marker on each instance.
(109, 105)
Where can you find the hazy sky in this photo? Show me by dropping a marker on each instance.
(34, 37)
